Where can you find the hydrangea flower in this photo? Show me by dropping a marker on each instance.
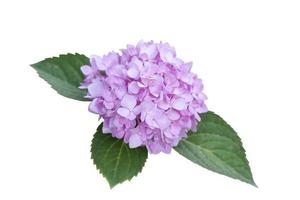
(146, 95)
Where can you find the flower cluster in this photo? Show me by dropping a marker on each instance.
(145, 95)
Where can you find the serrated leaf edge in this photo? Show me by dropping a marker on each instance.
(128, 178)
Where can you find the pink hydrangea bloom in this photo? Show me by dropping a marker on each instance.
(145, 95)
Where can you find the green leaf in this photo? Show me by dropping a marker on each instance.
(217, 147)
(63, 74)
(115, 160)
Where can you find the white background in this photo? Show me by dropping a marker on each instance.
(246, 52)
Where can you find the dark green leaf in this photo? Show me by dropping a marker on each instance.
(63, 74)
(217, 147)
(115, 160)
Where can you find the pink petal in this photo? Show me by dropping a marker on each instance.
(197, 86)
(135, 141)
(147, 106)
(162, 121)
(106, 130)
(117, 122)
(155, 90)
(154, 148)
(86, 70)
(187, 97)
(179, 104)
(187, 78)
(133, 72)
(179, 90)
(124, 112)
(108, 95)
(149, 120)
(137, 110)
(133, 87)
(119, 134)
(116, 70)
(110, 59)
(131, 116)
(186, 67)
(175, 130)
(167, 149)
(141, 85)
(164, 102)
(148, 52)
(132, 50)
(170, 79)
(176, 62)
(168, 133)
(129, 101)
(108, 105)
(143, 116)
(135, 62)
(93, 107)
(167, 53)
(163, 105)
(149, 69)
(173, 115)
(95, 89)
(96, 61)
(196, 115)
(120, 92)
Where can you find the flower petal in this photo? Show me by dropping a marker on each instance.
(129, 101)
(149, 120)
(86, 70)
(96, 62)
(131, 116)
(155, 90)
(133, 72)
(148, 51)
(133, 87)
(162, 121)
(108, 105)
(179, 104)
(93, 107)
(167, 53)
(124, 112)
(95, 89)
(135, 141)
(173, 115)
